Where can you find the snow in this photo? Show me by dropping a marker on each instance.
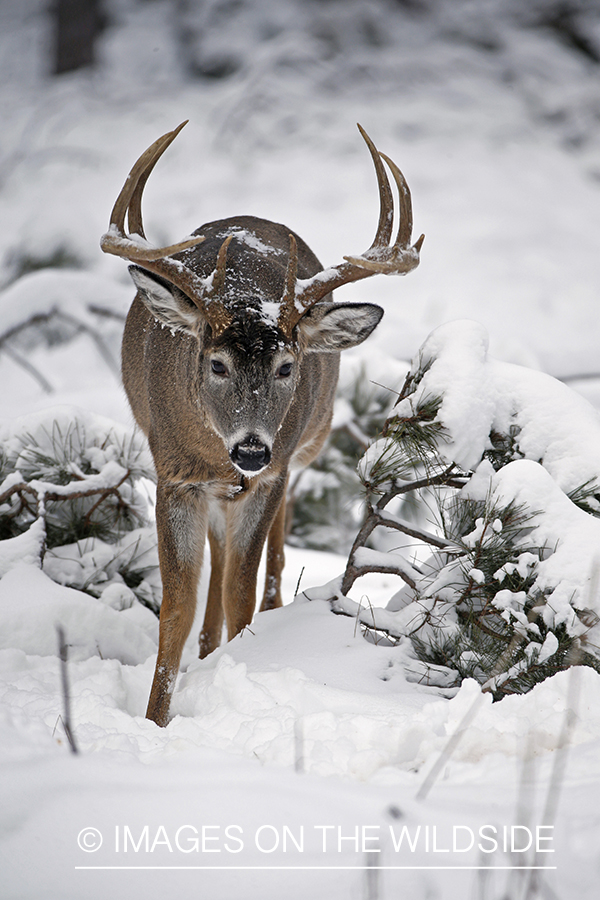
(557, 434)
(571, 536)
(300, 722)
(32, 606)
(24, 548)
(480, 394)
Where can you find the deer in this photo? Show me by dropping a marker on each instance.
(230, 362)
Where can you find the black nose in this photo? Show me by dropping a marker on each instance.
(250, 455)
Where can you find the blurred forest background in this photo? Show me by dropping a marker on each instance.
(491, 107)
(545, 51)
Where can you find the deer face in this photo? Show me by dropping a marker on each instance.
(248, 374)
(248, 379)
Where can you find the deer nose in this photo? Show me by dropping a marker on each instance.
(250, 455)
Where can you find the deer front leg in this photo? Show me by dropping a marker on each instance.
(275, 558)
(210, 636)
(248, 525)
(181, 525)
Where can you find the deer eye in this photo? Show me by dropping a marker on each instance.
(219, 368)
(284, 371)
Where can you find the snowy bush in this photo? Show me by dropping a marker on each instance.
(507, 461)
(72, 500)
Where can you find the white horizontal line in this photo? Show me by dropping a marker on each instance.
(336, 868)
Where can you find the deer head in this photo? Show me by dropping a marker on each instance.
(245, 295)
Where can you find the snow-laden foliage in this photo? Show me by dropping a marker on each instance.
(509, 459)
(72, 500)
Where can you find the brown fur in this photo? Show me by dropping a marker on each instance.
(196, 480)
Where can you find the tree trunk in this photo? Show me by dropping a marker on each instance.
(77, 24)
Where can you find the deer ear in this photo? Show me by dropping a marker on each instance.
(338, 326)
(166, 302)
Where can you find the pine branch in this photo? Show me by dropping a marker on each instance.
(388, 520)
(448, 478)
(39, 490)
(355, 572)
(377, 517)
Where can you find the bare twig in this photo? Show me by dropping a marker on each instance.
(29, 367)
(113, 490)
(449, 478)
(106, 313)
(372, 875)
(63, 655)
(299, 745)
(97, 338)
(453, 742)
(55, 313)
(376, 517)
(355, 572)
(297, 591)
(388, 521)
(353, 430)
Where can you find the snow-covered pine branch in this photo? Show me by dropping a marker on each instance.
(506, 463)
(72, 501)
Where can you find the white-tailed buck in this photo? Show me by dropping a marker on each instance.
(230, 363)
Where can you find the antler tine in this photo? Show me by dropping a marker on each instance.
(133, 246)
(123, 201)
(400, 257)
(288, 314)
(397, 259)
(218, 275)
(116, 241)
(386, 200)
(147, 162)
(406, 219)
(291, 274)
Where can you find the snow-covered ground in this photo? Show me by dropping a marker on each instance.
(299, 752)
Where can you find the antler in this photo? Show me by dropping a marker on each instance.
(398, 259)
(136, 249)
(299, 294)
